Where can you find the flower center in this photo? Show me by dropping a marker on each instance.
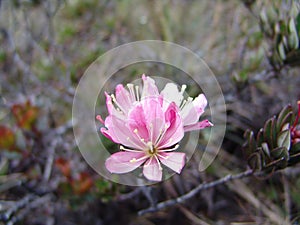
(152, 150)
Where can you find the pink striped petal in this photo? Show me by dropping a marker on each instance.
(173, 160)
(123, 98)
(152, 170)
(154, 116)
(107, 133)
(123, 162)
(137, 122)
(111, 108)
(198, 126)
(119, 132)
(149, 88)
(174, 132)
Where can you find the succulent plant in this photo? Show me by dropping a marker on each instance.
(276, 145)
(283, 31)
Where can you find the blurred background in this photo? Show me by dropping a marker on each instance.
(46, 45)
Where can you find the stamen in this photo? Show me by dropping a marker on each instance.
(161, 156)
(169, 149)
(136, 145)
(158, 162)
(137, 93)
(129, 150)
(136, 131)
(161, 135)
(150, 145)
(133, 160)
(116, 102)
(131, 91)
(148, 162)
(183, 87)
(183, 104)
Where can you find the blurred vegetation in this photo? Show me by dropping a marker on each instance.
(46, 45)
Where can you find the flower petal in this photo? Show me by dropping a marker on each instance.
(154, 116)
(119, 132)
(137, 122)
(198, 126)
(152, 170)
(108, 134)
(149, 88)
(193, 110)
(111, 108)
(173, 160)
(123, 98)
(174, 132)
(171, 94)
(123, 162)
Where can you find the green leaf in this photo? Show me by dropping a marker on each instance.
(292, 26)
(280, 153)
(282, 121)
(287, 109)
(255, 161)
(284, 139)
(260, 137)
(298, 23)
(293, 40)
(270, 132)
(250, 145)
(280, 49)
(265, 148)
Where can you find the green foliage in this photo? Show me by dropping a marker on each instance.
(272, 148)
(283, 32)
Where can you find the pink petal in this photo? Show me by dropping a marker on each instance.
(173, 160)
(118, 131)
(137, 122)
(111, 108)
(149, 88)
(174, 132)
(154, 116)
(172, 94)
(193, 110)
(152, 170)
(123, 162)
(123, 98)
(198, 126)
(108, 135)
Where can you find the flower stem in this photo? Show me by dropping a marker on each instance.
(193, 192)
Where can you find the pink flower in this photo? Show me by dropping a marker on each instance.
(295, 131)
(149, 127)
(190, 109)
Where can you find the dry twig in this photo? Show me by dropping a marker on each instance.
(193, 192)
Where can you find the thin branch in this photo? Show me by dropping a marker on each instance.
(130, 195)
(19, 204)
(30, 203)
(50, 159)
(193, 192)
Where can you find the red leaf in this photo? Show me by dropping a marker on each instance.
(25, 114)
(7, 138)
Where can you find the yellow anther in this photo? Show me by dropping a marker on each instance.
(133, 160)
